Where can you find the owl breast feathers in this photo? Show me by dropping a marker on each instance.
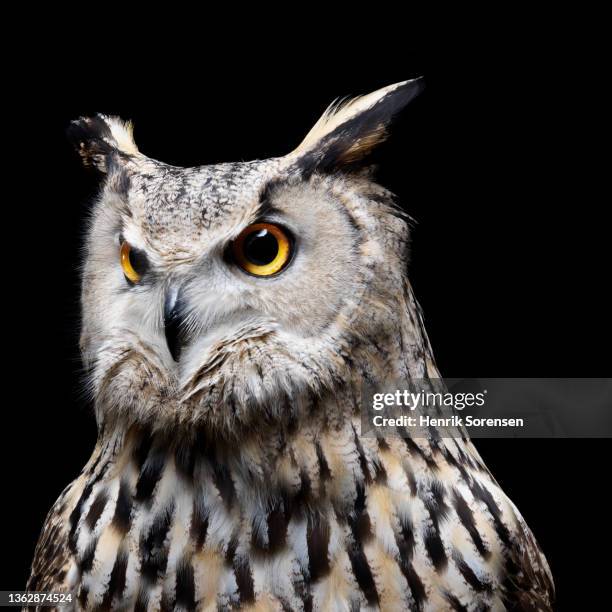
(231, 316)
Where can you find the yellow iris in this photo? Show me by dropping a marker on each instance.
(126, 263)
(262, 249)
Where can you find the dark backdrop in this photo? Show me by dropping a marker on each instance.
(494, 162)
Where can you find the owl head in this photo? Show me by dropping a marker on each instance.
(240, 293)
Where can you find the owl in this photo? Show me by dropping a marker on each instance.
(231, 316)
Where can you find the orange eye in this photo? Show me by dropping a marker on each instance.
(262, 249)
(133, 262)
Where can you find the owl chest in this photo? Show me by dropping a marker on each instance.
(385, 549)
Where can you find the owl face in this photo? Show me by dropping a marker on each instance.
(224, 293)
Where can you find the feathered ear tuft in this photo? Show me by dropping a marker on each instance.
(96, 138)
(349, 130)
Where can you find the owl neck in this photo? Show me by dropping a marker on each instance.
(225, 493)
(291, 458)
(320, 461)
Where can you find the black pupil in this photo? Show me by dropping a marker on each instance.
(139, 261)
(260, 247)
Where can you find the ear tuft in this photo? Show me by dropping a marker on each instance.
(350, 129)
(96, 138)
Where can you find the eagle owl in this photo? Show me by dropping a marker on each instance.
(231, 314)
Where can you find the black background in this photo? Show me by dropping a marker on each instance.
(495, 162)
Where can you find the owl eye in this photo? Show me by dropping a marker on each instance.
(263, 249)
(133, 262)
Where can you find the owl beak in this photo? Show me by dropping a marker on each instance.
(174, 327)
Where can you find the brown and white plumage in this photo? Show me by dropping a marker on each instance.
(233, 475)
